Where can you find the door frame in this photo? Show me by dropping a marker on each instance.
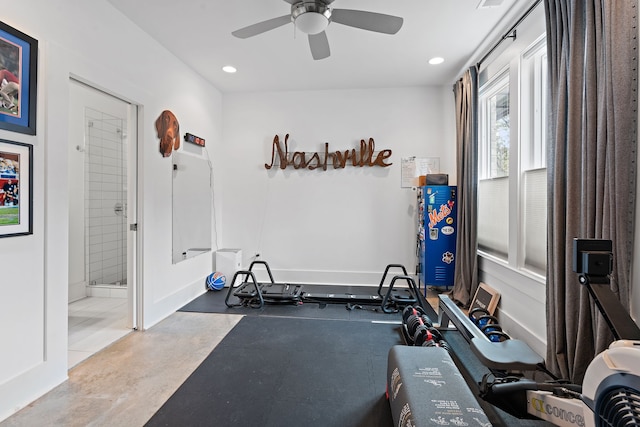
(134, 200)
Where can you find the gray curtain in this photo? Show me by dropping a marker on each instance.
(466, 267)
(592, 48)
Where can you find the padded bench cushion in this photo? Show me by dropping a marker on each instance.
(425, 388)
(509, 355)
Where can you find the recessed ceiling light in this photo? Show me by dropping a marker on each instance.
(229, 69)
(436, 60)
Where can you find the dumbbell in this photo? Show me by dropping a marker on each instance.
(491, 328)
(414, 322)
(428, 336)
(476, 313)
(424, 337)
(497, 336)
(494, 332)
(411, 311)
(445, 345)
(486, 320)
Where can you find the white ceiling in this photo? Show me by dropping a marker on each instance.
(199, 33)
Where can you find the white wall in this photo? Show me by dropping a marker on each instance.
(333, 226)
(92, 41)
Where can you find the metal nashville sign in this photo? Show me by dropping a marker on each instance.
(364, 156)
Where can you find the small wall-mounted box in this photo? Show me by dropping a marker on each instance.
(227, 262)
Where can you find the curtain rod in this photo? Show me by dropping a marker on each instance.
(510, 33)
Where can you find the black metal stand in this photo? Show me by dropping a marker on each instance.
(247, 291)
(620, 322)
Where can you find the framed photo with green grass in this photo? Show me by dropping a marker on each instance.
(16, 188)
(18, 80)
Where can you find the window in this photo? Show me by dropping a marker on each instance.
(494, 113)
(493, 170)
(512, 187)
(532, 234)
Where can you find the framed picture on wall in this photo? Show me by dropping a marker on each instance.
(18, 80)
(16, 188)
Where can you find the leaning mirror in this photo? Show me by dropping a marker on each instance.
(192, 200)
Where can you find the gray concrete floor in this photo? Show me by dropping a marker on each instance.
(127, 382)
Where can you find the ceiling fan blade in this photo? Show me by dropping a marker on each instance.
(319, 45)
(298, 1)
(261, 27)
(371, 21)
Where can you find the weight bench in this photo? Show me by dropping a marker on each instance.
(425, 388)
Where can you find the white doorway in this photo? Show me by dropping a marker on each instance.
(102, 216)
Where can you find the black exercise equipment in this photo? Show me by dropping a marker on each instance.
(418, 329)
(486, 320)
(497, 336)
(391, 302)
(488, 325)
(398, 298)
(251, 293)
(411, 310)
(610, 392)
(476, 313)
(609, 395)
(501, 357)
(426, 336)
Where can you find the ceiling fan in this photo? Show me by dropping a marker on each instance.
(313, 17)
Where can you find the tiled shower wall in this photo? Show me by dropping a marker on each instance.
(105, 199)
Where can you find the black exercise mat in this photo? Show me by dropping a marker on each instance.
(275, 371)
(213, 302)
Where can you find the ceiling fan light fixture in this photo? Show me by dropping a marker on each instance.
(310, 17)
(311, 22)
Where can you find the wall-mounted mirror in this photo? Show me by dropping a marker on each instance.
(192, 201)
